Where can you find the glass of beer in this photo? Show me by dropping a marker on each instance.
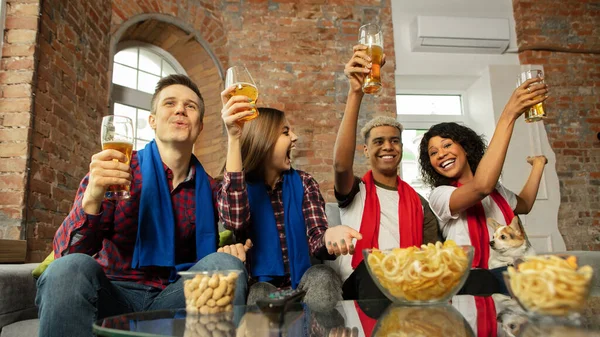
(535, 113)
(244, 86)
(370, 35)
(117, 134)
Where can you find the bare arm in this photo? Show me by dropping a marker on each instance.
(343, 152)
(489, 168)
(526, 198)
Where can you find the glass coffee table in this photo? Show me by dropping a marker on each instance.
(354, 319)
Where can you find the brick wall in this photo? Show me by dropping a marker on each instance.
(566, 41)
(70, 99)
(296, 52)
(16, 82)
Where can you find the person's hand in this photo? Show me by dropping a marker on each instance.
(359, 66)
(238, 250)
(537, 160)
(338, 240)
(109, 167)
(235, 108)
(528, 94)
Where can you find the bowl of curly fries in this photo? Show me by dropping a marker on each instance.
(429, 274)
(549, 285)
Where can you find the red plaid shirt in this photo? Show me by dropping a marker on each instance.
(110, 236)
(234, 211)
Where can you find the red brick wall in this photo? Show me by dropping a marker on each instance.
(70, 99)
(16, 82)
(566, 41)
(296, 52)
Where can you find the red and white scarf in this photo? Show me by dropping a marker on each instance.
(410, 218)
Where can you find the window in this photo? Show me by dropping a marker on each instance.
(136, 70)
(417, 113)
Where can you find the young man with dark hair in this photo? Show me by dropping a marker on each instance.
(116, 257)
(384, 209)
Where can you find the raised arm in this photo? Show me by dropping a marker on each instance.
(232, 199)
(345, 143)
(526, 198)
(489, 168)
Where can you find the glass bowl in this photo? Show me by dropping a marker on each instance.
(549, 285)
(427, 275)
(431, 321)
(209, 292)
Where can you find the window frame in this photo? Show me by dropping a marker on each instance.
(133, 97)
(427, 121)
(424, 122)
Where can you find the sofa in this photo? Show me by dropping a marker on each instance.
(18, 313)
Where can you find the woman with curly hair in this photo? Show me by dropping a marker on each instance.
(465, 175)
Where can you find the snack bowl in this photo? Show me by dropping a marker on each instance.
(432, 321)
(209, 292)
(549, 285)
(429, 274)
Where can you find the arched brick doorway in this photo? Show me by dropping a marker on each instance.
(200, 64)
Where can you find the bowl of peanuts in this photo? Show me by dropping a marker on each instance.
(209, 292)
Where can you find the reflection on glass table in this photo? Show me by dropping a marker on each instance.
(465, 316)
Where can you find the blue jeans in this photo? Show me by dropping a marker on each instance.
(74, 292)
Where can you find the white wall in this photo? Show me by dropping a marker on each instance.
(529, 140)
(444, 64)
(486, 82)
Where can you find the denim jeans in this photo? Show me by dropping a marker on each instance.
(74, 292)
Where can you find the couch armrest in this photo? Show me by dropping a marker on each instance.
(17, 291)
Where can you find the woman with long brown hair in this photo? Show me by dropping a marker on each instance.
(279, 208)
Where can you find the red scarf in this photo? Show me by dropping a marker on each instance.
(478, 229)
(367, 323)
(410, 215)
(486, 316)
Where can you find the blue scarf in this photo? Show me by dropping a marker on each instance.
(155, 242)
(266, 254)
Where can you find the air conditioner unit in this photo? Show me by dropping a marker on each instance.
(459, 34)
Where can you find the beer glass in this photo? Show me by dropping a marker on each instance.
(244, 85)
(117, 134)
(535, 113)
(370, 35)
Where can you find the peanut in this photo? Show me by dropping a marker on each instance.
(224, 301)
(204, 297)
(203, 285)
(232, 277)
(211, 303)
(214, 281)
(204, 310)
(220, 290)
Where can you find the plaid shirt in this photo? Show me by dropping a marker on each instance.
(234, 211)
(111, 235)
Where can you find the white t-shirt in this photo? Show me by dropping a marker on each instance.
(456, 227)
(351, 213)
